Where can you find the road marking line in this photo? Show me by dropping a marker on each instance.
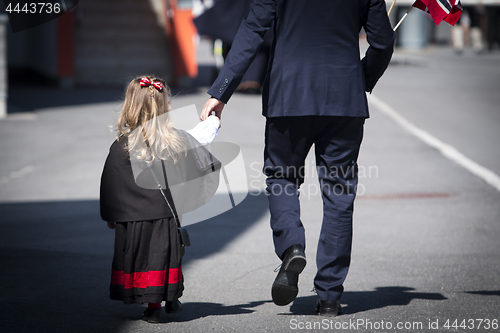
(447, 150)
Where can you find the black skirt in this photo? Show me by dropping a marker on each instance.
(147, 262)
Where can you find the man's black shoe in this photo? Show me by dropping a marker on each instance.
(285, 287)
(173, 306)
(328, 308)
(152, 315)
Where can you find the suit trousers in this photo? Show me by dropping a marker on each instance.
(336, 142)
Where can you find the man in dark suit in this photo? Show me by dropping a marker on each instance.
(314, 93)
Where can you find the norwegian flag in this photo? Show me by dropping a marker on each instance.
(441, 10)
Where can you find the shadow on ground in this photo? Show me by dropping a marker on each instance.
(55, 260)
(43, 96)
(485, 292)
(359, 301)
(192, 311)
(52, 97)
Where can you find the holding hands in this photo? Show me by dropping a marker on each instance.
(213, 104)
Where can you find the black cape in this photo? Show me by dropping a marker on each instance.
(123, 200)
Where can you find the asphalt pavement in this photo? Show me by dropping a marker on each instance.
(426, 255)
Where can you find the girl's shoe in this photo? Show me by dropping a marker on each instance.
(151, 315)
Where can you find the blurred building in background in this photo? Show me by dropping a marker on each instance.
(108, 42)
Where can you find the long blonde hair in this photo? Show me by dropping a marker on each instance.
(141, 110)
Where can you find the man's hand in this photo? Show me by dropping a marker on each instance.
(213, 104)
(111, 225)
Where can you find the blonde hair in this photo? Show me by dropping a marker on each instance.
(141, 110)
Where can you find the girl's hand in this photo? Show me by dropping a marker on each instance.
(220, 123)
(111, 225)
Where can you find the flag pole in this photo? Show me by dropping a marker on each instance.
(401, 21)
(390, 9)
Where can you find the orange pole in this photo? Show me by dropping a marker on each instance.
(180, 32)
(65, 45)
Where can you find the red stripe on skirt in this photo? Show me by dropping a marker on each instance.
(146, 279)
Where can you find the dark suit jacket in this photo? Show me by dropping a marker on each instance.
(315, 66)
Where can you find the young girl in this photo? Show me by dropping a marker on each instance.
(147, 256)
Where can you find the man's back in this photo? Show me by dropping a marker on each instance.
(318, 32)
(315, 67)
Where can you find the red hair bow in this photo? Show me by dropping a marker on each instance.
(145, 82)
